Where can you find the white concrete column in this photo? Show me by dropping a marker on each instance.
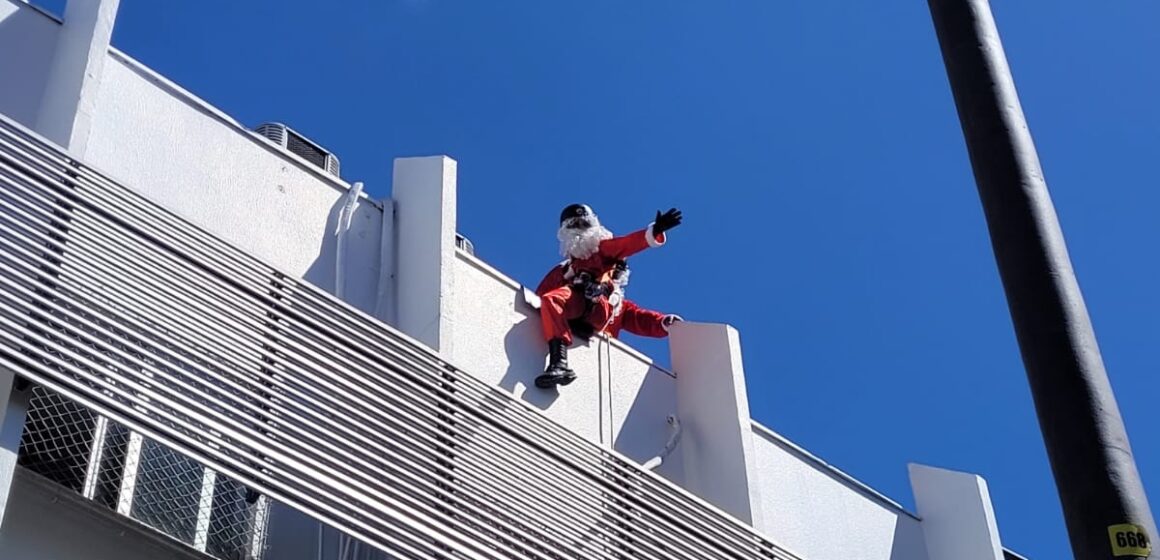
(958, 521)
(713, 407)
(13, 409)
(70, 95)
(424, 196)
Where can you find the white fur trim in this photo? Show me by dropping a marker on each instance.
(668, 321)
(582, 243)
(652, 239)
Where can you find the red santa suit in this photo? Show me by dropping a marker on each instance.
(562, 301)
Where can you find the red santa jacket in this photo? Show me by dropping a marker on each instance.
(601, 263)
(629, 316)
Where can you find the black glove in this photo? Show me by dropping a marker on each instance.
(666, 221)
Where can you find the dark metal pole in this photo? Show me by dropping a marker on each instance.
(1099, 487)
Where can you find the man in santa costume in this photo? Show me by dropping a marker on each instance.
(585, 293)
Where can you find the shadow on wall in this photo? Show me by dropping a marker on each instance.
(526, 356)
(645, 420)
(321, 271)
(909, 542)
(27, 46)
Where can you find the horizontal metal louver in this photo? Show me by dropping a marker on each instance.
(116, 303)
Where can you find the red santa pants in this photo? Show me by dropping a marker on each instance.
(561, 305)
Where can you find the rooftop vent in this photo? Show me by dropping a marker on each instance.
(298, 145)
(464, 244)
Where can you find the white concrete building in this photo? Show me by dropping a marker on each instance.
(190, 308)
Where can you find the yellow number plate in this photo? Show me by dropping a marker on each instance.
(1129, 540)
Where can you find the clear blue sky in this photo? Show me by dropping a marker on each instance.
(831, 215)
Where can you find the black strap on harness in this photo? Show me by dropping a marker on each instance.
(592, 290)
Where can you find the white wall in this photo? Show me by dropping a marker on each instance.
(641, 399)
(957, 516)
(152, 137)
(814, 511)
(27, 42)
(498, 340)
(82, 45)
(423, 192)
(53, 523)
(713, 404)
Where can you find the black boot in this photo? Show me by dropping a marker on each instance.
(557, 372)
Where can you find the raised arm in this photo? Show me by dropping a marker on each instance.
(652, 236)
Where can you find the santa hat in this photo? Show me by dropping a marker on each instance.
(576, 211)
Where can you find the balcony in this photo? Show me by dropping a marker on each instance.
(164, 332)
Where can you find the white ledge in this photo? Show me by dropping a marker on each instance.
(209, 110)
(833, 471)
(533, 301)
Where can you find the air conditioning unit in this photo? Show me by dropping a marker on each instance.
(298, 145)
(464, 244)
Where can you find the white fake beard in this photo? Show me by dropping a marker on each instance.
(581, 243)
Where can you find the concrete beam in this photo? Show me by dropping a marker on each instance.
(958, 520)
(713, 407)
(423, 191)
(70, 95)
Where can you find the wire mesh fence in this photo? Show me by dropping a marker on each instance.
(142, 479)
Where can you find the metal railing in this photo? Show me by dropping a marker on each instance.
(111, 465)
(116, 303)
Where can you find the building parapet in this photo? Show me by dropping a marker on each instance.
(135, 313)
(833, 471)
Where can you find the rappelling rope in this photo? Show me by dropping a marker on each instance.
(603, 357)
(604, 364)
